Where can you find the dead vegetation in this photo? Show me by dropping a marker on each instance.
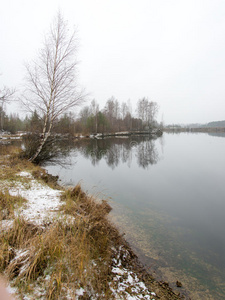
(8, 204)
(72, 254)
(63, 255)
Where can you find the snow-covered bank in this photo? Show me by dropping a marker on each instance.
(42, 206)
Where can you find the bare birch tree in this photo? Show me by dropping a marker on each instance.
(51, 80)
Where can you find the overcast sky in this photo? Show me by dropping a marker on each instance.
(171, 51)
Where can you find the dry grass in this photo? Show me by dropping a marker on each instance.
(16, 238)
(64, 255)
(11, 165)
(8, 204)
(73, 254)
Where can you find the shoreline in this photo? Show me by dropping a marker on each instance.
(126, 276)
(153, 133)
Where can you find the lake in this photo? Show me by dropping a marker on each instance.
(168, 197)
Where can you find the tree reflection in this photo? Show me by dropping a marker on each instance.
(147, 154)
(217, 134)
(119, 150)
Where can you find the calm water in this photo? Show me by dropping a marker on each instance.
(168, 197)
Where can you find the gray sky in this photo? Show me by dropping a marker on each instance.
(171, 51)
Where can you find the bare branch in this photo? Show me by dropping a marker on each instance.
(6, 94)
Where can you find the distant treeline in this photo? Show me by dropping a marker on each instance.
(216, 126)
(196, 129)
(113, 117)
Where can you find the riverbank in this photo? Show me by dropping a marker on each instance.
(154, 133)
(59, 244)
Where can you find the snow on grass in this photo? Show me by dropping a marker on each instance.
(42, 201)
(12, 291)
(6, 224)
(25, 174)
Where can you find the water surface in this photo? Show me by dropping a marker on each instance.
(168, 198)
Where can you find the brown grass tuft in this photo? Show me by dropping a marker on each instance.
(8, 203)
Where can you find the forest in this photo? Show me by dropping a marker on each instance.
(114, 117)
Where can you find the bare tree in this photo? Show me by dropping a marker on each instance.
(147, 111)
(112, 111)
(124, 110)
(51, 80)
(5, 97)
(95, 111)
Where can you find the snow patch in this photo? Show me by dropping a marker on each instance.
(80, 292)
(42, 201)
(25, 174)
(126, 284)
(117, 271)
(6, 224)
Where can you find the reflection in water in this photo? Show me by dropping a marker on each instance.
(120, 150)
(147, 154)
(218, 134)
(211, 133)
(172, 213)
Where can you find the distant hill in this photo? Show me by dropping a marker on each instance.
(215, 124)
